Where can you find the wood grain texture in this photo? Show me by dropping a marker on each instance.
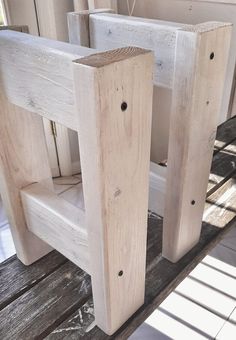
(109, 31)
(162, 276)
(223, 166)
(80, 5)
(225, 134)
(114, 97)
(51, 16)
(36, 74)
(78, 26)
(197, 94)
(57, 222)
(23, 160)
(58, 295)
(192, 12)
(23, 278)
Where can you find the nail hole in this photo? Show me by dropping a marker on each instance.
(120, 273)
(212, 55)
(208, 102)
(124, 106)
(193, 202)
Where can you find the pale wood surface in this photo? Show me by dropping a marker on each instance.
(80, 5)
(36, 74)
(94, 4)
(69, 314)
(51, 16)
(109, 31)
(57, 222)
(23, 161)
(115, 151)
(194, 12)
(52, 23)
(78, 25)
(197, 94)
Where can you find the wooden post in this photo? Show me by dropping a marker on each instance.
(80, 5)
(113, 91)
(23, 160)
(78, 26)
(200, 65)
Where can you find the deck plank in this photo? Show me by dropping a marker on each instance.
(49, 301)
(162, 276)
(42, 308)
(17, 278)
(225, 134)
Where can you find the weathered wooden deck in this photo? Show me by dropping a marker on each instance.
(52, 298)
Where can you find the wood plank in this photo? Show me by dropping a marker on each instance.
(94, 4)
(36, 74)
(115, 111)
(57, 222)
(23, 160)
(80, 5)
(16, 278)
(18, 28)
(162, 276)
(223, 166)
(109, 31)
(39, 310)
(225, 134)
(78, 26)
(197, 94)
(52, 20)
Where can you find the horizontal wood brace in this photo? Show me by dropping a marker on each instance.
(57, 222)
(112, 31)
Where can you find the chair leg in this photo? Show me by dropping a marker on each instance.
(114, 96)
(23, 160)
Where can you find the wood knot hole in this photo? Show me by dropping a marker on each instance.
(124, 106)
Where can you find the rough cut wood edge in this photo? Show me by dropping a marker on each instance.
(36, 74)
(114, 103)
(23, 160)
(78, 26)
(200, 65)
(56, 222)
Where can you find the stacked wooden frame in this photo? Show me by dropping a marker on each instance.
(107, 99)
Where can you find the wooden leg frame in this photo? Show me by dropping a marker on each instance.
(107, 98)
(191, 61)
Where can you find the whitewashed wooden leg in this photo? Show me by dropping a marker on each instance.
(23, 160)
(201, 60)
(114, 103)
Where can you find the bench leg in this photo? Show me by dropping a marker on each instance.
(114, 95)
(200, 65)
(23, 160)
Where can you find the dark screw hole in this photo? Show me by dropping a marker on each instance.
(208, 102)
(212, 55)
(120, 273)
(124, 106)
(193, 202)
